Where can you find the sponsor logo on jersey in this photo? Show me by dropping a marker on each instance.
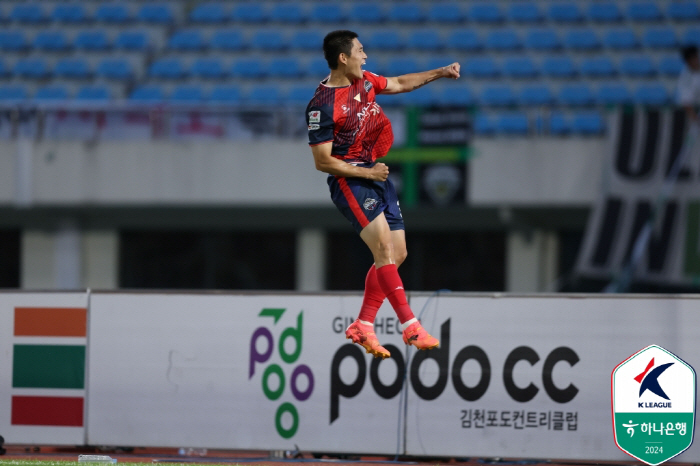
(370, 204)
(357, 97)
(368, 86)
(314, 127)
(315, 116)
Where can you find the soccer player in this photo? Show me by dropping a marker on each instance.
(348, 131)
(688, 89)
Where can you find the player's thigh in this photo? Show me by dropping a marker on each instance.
(398, 240)
(378, 236)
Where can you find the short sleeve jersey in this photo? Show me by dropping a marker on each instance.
(688, 89)
(350, 117)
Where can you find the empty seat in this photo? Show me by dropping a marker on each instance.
(91, 40)
(524, 12)
(671, 65)
(208, 68)
(691, 36)
(588, 123)
(457, 96)
(425, 96)
(559, 67)
(247, 12)
(644, 11)
(503, 40)
(118, 69)
(484, 125)
(520, 67)
(583, 40)
(132, 40)
(72, 68)
(465, 40)
(604, 12)
(497, 95)
(93, 94)
(513, 123)
(156, 13)
(187, 40)
(187, 94)
(208, 13)
(367, 12)
(621, 39)
(317, 67)
(167, 68)
(488, 13)
(564, 12)
(614, 93)
(328, 13)
(269, 41)
(12, 93)
(115, 13)
(28, 13)
(249, 68)
(393, 100)
(402, 65)
(425, 40)
(51, 93)
(598, 67)
(264, 94)
(225, 94)
(660, 37)
(481, 67)
(558, 124)
(12, 41)
(406, 13)
(386, 40)
(147, 94)
(299, 95)
(542, 39)
(227, 40)
(69, 13)
(683, 11)
(288, 13)
(287, 67)
(4, 70)
(307, 40)
(51, 41)
(35, 68)
(639, 66)
(535, 95)
(651, 94)
(446, 13)
(575, 95)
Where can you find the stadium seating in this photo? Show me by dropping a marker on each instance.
(31, 68)
(583, 40)
(497, 95)
(113, 13)
(288, 13)
(117, 69)
(513, 123)
(588, 123)
(95, 94)
(156, 13)
(227, 40)
(208, 68)
(481, 67)
(208, 13)
(72, 68)
(564, 12)
(91, 40)
(524, 12)
(187, 94)
(485, 13)
(535, 95)
(425, 40)
(559, 67)
(167, 68)
(249, 68)
(71, 13)
(613, 93)
(148, 94)
(12, 41)
(28, 13)
(51, 93)
(521, 67)
(51, 41)
(12, 93)
(225, 94)
(604, 12)
(575, 95)
(132, 40)
(409, 13)
(445, 13)
(598, 67)
(683, 11)
(187, 40)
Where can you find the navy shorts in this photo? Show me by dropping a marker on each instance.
(361, 201)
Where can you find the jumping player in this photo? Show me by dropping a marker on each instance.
(348, 131)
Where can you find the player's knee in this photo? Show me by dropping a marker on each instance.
(400, 256)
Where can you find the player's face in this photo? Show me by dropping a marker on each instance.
(356, 60)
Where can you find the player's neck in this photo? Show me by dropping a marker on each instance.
(338, 79)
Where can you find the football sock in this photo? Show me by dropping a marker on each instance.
(408, 323)
(374, 297)
(392, 286)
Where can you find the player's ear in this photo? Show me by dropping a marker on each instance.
(342, 58)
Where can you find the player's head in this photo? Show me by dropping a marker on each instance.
(343, 50)
(690, 57)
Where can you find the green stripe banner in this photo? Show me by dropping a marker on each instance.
(48, 366)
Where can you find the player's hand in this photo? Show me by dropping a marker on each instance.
(451, 71)
(379, 172)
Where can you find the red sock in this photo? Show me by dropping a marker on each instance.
(392, 286)
(374, 297)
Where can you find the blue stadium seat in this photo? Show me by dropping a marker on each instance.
(4, 70)
(72, 68)
(247, 12)
(464, 40)
(558, 124)
(683, 11)
(264, 94)
(613, 93)
(186, 94)
(426, 40)
(299, 95)
(535, 95)
(520, 67)
(436, 61)
(156, 13)
(51, 41)
(230, 40)
(328, 13)
(402, 65)
(575, 95)
(393, 100)
(132, 41)
(367, 13)
(287, 67)
(598, 67)
(305, 39)
(386, 40)
(93, 40)
(269, 41)
(317, 67)
(487, 13)
(147, 94)
(484, 125)
(288, 13)
(497, 95)
(604, 12)
(209, 13)
(622, 38)
(118, 69)
(34, 68)
(559, 67)
(660, 37)
(457, 96)
(503, 40)
(638, 66)
(28, 13)
(113, 13)
(671, 65)
(249, 68)
(93, 94)
(12, 41)
(542, 39)
(406, 13)
(651, 94)
(70, 13)
(513, 123)
(167, 68)
(425, 96)
(225, 94)
(588, 123)
(481, 67)
(644, 11)
(12, 93)
(52, 93)
(582, 40)
(691, 36)
(208, 68)
(185, 40)
(524, 12)
(564, 12)
(446, 13)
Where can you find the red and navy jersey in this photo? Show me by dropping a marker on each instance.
(350, 117)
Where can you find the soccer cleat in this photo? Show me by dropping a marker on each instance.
(416, 335)
(365, 337)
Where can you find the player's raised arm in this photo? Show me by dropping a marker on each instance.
(326, 163)
(411, 82)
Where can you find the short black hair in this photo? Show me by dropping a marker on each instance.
(689, 52)
(335, 43)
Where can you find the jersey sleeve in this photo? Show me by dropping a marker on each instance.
(378, 82)
(319, 119)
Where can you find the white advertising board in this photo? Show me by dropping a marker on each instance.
(42, 367)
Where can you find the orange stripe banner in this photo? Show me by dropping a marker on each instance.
(50, 322)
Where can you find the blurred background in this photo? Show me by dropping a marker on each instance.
(163, 144)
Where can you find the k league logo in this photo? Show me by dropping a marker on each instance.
(653, 404)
